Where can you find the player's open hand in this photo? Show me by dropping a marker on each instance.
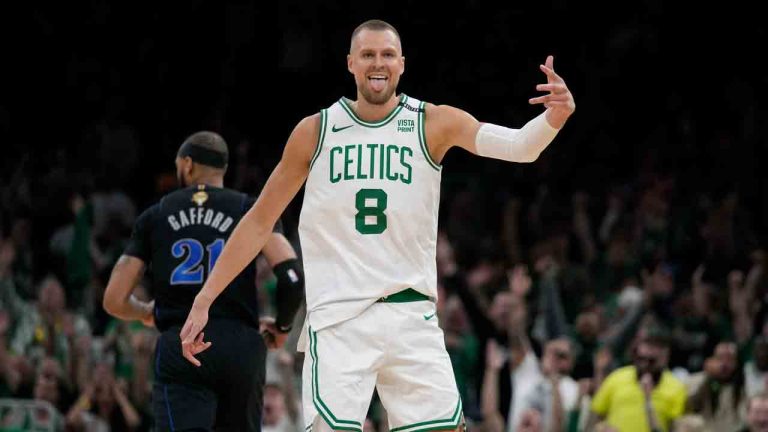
(273, 337)
(192, 333)
(559, 102)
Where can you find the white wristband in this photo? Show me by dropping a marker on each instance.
(515, 145)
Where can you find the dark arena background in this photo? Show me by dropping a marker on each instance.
(643, 222)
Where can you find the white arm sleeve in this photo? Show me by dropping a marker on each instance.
(515, 145)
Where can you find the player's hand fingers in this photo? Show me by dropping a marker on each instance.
(550, 62)
(199, 345)
(554, 88)
(551, 75)
(187, 352)
(192, 334)
(549, 98)
(558, 104)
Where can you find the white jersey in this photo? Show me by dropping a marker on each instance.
(368, 225)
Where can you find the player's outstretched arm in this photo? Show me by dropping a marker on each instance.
(253, 231)
(448, 127)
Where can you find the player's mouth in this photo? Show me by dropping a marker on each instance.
(377, 82)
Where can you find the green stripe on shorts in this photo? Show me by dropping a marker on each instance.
(449, 423)
(321, 407)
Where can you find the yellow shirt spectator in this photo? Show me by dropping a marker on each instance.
(621, 401)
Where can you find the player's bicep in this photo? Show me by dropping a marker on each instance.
(447, 127)
(278, 249)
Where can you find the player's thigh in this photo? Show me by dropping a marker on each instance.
(179, 407)
(241, 379)
(181, 398)
(339, 375)
(416, 383)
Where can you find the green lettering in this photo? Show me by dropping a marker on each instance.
(381, 162)
(405, 178)
(373, 157)
(347, 162)
(337, 177)
(391, 147)
(360, 174)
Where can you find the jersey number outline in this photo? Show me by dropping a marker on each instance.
(190, 271)
(377, 211)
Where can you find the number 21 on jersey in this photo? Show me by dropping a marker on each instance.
(191, 271)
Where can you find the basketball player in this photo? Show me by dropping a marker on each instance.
(181, 237)
(368, 231)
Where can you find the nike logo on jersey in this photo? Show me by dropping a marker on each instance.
(335, 129)
(428, 317)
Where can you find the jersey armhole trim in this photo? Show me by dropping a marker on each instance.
(423, 138)
(320, 137)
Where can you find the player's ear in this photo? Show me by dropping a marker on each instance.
(188, 166)
(349, 64)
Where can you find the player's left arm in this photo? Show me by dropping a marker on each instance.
(119, 300)
(448, 127)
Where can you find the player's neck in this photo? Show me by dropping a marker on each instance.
(374, 112)
(208, 181)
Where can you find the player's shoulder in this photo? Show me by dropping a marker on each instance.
(309, 125)
(146, 217)
(304, 139)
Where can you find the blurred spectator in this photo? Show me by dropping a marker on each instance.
(717, 393)
(757, 414)
(756, 370)
(541, 394)
(46, 328)
(50, 395)
(462, 347)
(552, 406)
(644, 396)
(51, 385)
(281, 404)
(103, 405)
(693, 423)
(22, 263)
(496, 358)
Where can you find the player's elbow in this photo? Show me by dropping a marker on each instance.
(524, 153)
(528, 158)
(110, 303)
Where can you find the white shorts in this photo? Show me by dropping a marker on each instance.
(396, 347)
